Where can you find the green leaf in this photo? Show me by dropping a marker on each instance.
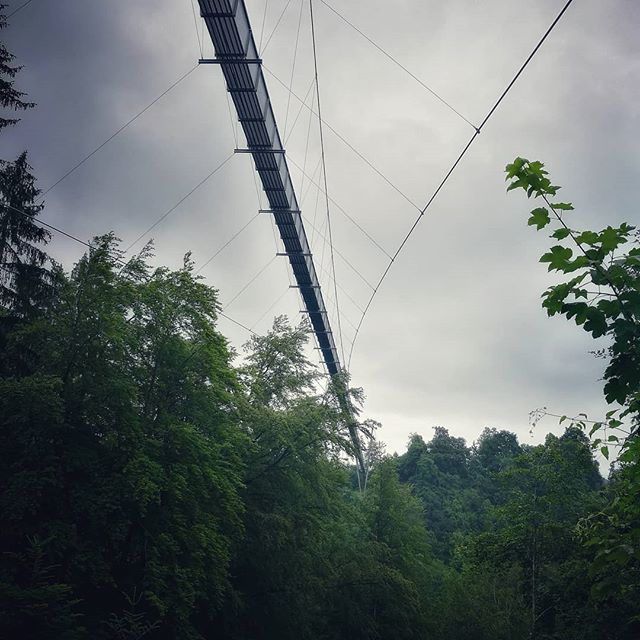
(617, 276)
(620, 555)
(587, 237)
(536, 167)
(561, 234)
(517, 184)
(515, 167)
(596, 426)
(604, 450)
(611, 238)
(611, 308)
(577, 310)
(595, 255)
(632, 300)
(563, 206)
(558, 258)
(628, 456)
(579, 263)
(615, 391)
(596, 322)
(539, 217)
(554, 297)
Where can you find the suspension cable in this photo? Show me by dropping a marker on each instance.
(324, 174)
(399, 64)
(120, 130)
(452, 169)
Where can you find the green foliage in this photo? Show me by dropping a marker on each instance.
(446, 479)
(180, 496)
(604, 299)
(31, 599)
(502, 519)
(121, 446)
(482, 603)
(131, 625)
(24, 282)
(530, 543)
(495, 450)
(10, 97)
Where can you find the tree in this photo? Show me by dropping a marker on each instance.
(10, 97)
(441, 477)
(123, 450)
(23, 280)
(601, 294)
(495, 450)
(547, 490)
(31, 600)
(294, 485)
(395, 598)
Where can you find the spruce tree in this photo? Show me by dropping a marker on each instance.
(23, 278)
(10, 97)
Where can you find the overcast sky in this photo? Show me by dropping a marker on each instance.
(456, 335)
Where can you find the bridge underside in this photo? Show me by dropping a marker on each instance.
(228, 25)
(237, 55)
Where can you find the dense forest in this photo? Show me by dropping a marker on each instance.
(156, 484)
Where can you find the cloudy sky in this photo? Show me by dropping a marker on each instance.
(456, 336)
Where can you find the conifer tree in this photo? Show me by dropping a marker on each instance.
(10, 97)
(22, 272)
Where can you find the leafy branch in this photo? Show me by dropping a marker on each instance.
(609, 258)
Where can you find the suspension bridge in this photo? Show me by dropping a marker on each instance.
(240, 62)
(228, 25)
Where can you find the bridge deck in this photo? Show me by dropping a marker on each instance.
(237, 55)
